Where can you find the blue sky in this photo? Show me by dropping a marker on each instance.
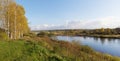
(43, 13)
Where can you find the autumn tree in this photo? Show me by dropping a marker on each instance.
(14, 20)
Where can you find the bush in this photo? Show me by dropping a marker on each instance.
(3, 36)
(30, 34)
(41, 34)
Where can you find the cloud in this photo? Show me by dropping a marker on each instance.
(108, 22)
(47, 27)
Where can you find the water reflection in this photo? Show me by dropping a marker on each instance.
(105, 45)
(84, 37)
(96, 38)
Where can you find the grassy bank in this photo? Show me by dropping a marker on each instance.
(45, 49)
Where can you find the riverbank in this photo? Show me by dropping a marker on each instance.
(45, 49)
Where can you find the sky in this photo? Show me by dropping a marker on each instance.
(71, 14)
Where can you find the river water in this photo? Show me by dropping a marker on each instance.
(104, 45)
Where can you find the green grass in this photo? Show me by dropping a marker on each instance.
(25, 51)
(45, 49)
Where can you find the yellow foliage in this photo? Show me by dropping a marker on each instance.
(14, 20)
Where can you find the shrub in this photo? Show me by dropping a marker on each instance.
(29, 34)
(41, 34)
(3, 36)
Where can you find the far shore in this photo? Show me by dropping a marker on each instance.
(95, 35)
(102, 36)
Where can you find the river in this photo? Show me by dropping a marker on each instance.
(105, 45)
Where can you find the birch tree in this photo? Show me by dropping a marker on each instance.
(12, 19)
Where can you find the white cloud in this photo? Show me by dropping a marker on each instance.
(108, 22)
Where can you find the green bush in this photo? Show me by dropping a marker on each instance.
(30, 34)
(42, 34)
(3, 36)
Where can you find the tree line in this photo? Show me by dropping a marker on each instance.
(101, 31)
